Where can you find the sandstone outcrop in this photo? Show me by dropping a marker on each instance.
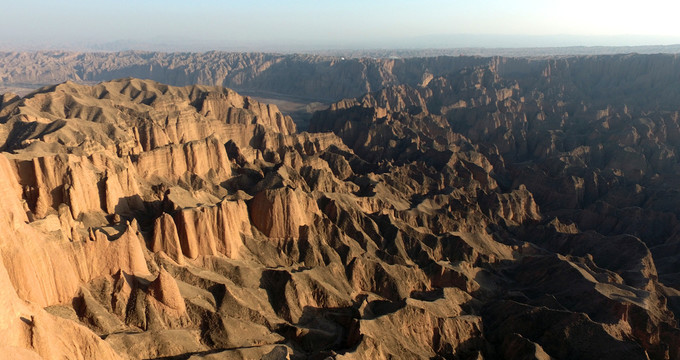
(199, 157)
(166, 238)
(29, 332)
(279, 213)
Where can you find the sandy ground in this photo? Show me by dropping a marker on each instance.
(300, 110)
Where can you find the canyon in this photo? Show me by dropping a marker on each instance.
(444, 207)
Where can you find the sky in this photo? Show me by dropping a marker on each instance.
(322, 24)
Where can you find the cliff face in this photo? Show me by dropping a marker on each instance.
(497, 210)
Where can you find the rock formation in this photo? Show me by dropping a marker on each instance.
(484, 209)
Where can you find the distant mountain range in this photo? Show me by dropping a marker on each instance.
(424, 45)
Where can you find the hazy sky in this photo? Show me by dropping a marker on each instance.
(340, 24)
